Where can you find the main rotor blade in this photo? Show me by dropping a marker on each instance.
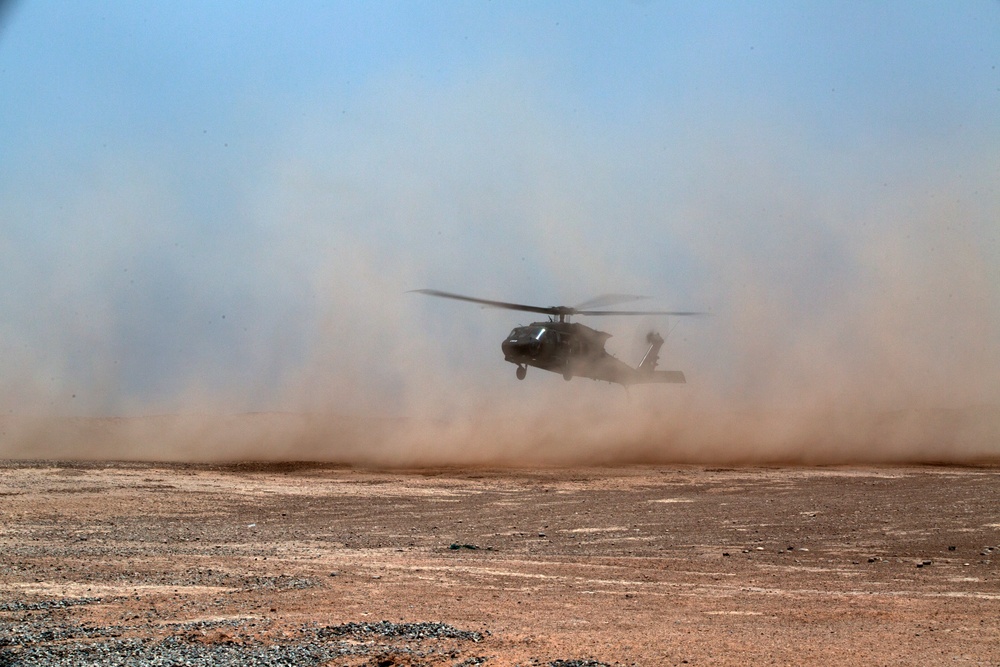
(555, 310)
(679, 313)
(608, 300)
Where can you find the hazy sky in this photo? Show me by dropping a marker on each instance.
(225, 203)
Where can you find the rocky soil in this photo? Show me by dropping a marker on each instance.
(302, 564)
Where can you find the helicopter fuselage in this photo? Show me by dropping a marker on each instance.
(570, 349)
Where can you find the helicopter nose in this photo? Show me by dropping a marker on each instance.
(513, 349)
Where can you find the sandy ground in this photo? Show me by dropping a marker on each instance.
(636, 565)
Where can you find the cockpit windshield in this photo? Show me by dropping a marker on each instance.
(526, 334)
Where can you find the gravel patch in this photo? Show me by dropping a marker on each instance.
(407, 631)
(47, 604)
(193, 644)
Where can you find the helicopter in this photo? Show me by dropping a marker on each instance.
(576, 350)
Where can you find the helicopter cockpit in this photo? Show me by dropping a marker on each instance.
(527, 342)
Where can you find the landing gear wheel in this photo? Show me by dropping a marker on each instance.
(521, 372)
(567, 376)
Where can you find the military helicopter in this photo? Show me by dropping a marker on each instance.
(573, 349)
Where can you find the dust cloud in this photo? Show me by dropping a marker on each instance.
(855, 307)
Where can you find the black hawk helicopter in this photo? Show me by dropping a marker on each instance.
(576, 350)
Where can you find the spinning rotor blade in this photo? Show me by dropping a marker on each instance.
(562, 310)
(679, 313)
(608, 300)
(554, 310)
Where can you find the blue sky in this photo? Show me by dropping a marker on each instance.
(226, 202)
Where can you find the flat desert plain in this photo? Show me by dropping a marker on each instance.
(311, 564)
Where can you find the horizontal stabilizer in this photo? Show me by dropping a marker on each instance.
(674, 377)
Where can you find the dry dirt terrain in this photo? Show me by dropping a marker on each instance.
(302, 564)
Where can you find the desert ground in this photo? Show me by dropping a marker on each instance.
(311, 564)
